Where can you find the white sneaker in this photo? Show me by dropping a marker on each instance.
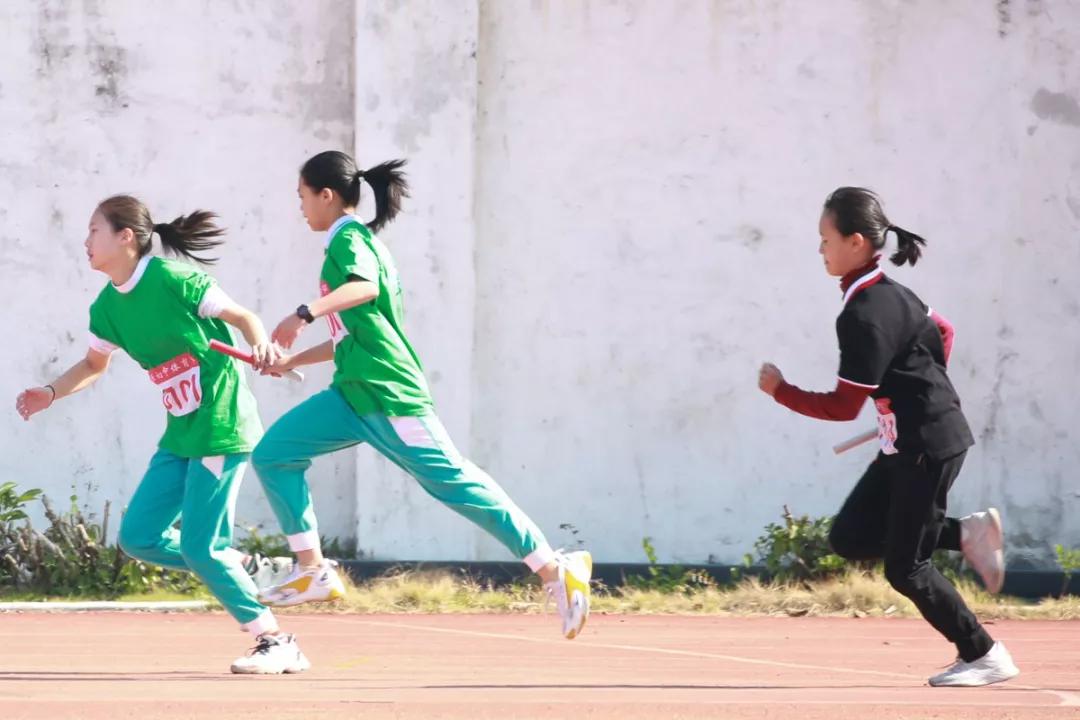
(266, 571)
(319, 584)
(993, 667)
(571, 591)
(272, 655)
(983, 541)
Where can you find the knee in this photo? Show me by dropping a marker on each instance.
(270, 456)
(261, 457)
(132, 541)
(197, 555)
(461, 484)
(842, 543)
(265, 460)
(904, 578)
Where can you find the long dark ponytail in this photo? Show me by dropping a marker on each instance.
(858, 210)
(338, 171)
(187, 235)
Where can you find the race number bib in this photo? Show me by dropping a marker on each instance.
(179, 382)
(886, 421)
(337, 328)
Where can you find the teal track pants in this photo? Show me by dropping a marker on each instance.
(201, 493)
(325, 423)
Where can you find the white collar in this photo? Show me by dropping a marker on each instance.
(862, 282)
(338, 224)
(132, 281)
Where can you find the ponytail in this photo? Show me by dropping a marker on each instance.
(187, 235)
(338, 172)
(191, 234)
(389, 186)
(909, 246)
(858, 210)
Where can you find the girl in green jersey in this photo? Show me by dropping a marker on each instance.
(163, 313)
(379, 396)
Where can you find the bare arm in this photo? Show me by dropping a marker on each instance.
(349, 295)
(251, 327)
(323, 352)
(82, 374)
(247, 323)
(78, 377)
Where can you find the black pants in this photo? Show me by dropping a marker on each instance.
(897, 512)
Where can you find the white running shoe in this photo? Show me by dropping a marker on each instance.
(982, 541)
(272, 655)
(318, 584)
(267, 571)
(993, 667)
(571, 591)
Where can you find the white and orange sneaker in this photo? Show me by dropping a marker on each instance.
(272, 655)
(571, 591)
(304, 585)
(982, 541)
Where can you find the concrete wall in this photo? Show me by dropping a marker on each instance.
(613, 223)
(187, 105)
(652, 175)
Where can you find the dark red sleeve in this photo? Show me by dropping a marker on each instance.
(947, 332)
(843, 403)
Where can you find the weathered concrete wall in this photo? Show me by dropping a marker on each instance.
(613, 223)
(650, 180)
(187, 105)
(416, 98)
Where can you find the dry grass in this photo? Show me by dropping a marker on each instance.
(858, 594)
(200, 593)
(853, 594)
(432, 591)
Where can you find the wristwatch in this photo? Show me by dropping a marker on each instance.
(304, 314)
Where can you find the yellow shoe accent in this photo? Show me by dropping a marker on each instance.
(311, 585)
(576, 574)
(300, 584)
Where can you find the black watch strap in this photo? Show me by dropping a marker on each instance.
(304, 314)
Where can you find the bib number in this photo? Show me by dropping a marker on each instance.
(886, 422)
(181, 393)
(337, 328)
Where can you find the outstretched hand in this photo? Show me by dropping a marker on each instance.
(264, 354)
(280, 366)
(33, 400)
(288, 330)
(769, 378)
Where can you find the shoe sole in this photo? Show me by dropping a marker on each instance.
(999, 545)
(332, 598)
(301, 666)
(584, 601)
(286, 671)
(999, 531)
(994, 681)
(291, 670)
(583, 597)
(296, 669)
(334, 595)
(996, 539)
